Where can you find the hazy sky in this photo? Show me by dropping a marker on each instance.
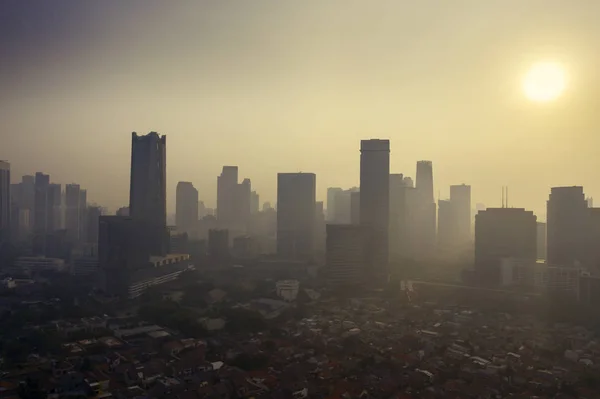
(283, 86)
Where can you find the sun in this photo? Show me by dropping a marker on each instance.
(544, 82)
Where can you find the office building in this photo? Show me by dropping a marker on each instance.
(42, 182)
(83, 218)
(227, 197)
(54, 211)
(567, 226)
(447, 227)
(331, 195)
(93, 224)
(5, 201)
(346, 254)
(320, 230)
(355, 207)
(541, 240)
(460, 196)
(397, 209)
(342, 206)
(123, 211)
(254, 203)
(296, 205)
(148, 187)
(218, 243)
(375, 200)
(425, 239)
(72, 211)
(503, 233)
(186, 207)
(245, 203)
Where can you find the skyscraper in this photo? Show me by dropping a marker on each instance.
(148, 186)
(503, 233)
(4, 202)
(42, 182)
(83, 218)
(346, 255)
(396, 212)
(375, 199)
(426, 210)
(227, 197)
(296, 204)
(460, 196)
(331, 194)
(447, 227)
(254, 203)
(567, 226)
(54, 207)
(72, 214)
(355, 207)
(186, 207)
(541, 240)
(244, 197)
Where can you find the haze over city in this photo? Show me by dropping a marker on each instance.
(294, 86)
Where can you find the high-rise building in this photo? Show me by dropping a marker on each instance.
(331, 198)
(342, 211)
(4, 202)
(355, 207)
(83, 208)
(567, 226)
(93, 224)
(244, 197)
(218, 243)
(346, 254)
(54, 211)
(502, 233)
(320, 232)
(202, 210)
(42, 182)
(254, 203)
(447, 227)
(541, 240)
(72, 213)
(460, 196)
(375, 200)
(121, 250)
(397, 208)
(148, 187)
(426, 210)
(186, 207)
(296, 204)
(227, 197)
(123, 211)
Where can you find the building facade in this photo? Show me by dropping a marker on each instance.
(186, 207)
(296, 210)
(5, 213)
(346, 254)
(375, 200)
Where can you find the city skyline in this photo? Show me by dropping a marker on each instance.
(229, 77)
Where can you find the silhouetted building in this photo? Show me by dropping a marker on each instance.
(72, 211)
(447, 227)
(42, 182)
(397, 209)
(347, 254)
(254, 203)
(83, 208)
(54, 211)
(5, 201)
(296, 204)
(566, 229)
(541, 240)
(342, 211)
(245, 203)
(148, 187)
(460, 196)
(331, 198)
(375, 200)
(502, 233)
(93, 224)
(320, 232)
(218, 243)
(355, 207)
(245, 247)
(227, 197)
(123, 211)
(426, 211)
(202, 210)
(186, 207)
(592, 260)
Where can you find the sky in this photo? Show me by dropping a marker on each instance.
(286, 86)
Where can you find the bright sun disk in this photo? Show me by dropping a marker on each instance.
(544, 82)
